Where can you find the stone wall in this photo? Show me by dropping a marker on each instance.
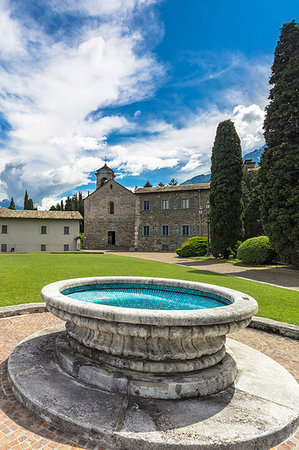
(175, 218)
(98, 220)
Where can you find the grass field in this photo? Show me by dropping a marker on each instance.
(22, 277)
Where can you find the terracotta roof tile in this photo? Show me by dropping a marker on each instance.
(184, 187)
(35, 214)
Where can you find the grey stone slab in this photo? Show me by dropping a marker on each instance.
(250, 415)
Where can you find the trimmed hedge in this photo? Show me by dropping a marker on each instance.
(256, 250)
(195, 246)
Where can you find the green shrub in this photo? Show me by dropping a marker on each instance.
(256, 250)
(195, 246)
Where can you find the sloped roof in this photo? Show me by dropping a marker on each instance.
(185, 187)
(34, 214)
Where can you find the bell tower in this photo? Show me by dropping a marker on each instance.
(104, 174)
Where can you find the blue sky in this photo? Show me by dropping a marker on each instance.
(142, 82)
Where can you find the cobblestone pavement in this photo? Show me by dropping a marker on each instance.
(278, 276)
(20, 429)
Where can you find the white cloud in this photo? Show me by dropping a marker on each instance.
(10, 33)
(187, 149)
(48, 92)
(52, 93)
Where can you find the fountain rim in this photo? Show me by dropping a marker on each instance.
(242, 307)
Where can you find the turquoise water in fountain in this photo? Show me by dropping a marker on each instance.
(129, 295)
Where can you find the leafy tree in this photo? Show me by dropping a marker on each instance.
(226, 190)
(161, 184)
(53, 208)
(280, 162)
(148, 184)
(173, 182)
(12, 204)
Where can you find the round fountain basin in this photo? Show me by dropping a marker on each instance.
(143, 328)
(142, 296)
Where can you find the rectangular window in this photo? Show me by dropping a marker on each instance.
(185, 203)
(111, 208)
(165, 204)
(43, 248)
(146, 230)
(3, 248)
(66, 247)
(4, 229)
(66, 230)
(185, 230)
(43, 229)
(165, 230)
(146, 205)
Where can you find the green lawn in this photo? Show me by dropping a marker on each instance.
(22, 277)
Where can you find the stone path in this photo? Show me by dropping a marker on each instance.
(278, 276)
(20, 429)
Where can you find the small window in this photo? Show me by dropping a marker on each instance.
(111, 208)
(66, 247)
(165, 230)
(186, 204)
(4, 229)
(3, 248)
(186, 230)
(43, 248)
(66, 230)
(165, 204)
(146, 205)
(43, 229)
(146, 230)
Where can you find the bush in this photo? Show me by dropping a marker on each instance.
(195, 246)
(256, 250)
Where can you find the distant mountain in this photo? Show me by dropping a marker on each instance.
(198, 179)
(255, 155)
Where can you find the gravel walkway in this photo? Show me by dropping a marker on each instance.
(20, 429)
(278, 276)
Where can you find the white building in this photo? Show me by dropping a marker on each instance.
(31, 230)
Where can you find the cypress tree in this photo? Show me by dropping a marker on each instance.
(12, 204)
(279, 171)
(26, 200)
(226, 190)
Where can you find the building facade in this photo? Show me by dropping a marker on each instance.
(168, 216)
(31, 230)
(151, 219)
(109, 214)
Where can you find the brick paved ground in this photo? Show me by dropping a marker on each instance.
(20, 429)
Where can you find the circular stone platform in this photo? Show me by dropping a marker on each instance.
(258, 412)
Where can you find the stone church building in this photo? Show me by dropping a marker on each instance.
(151, 219)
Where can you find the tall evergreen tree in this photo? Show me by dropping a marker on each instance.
(26, 200)
(68, 204)
(147, 184)
(30, 204)
(12, 204)
(226, 190)
(279, 171)
(251, 204)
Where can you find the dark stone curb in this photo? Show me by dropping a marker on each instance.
(258, 323)
(273, 326)
(26, 308)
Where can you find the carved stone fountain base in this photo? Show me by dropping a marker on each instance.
(257, 412)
